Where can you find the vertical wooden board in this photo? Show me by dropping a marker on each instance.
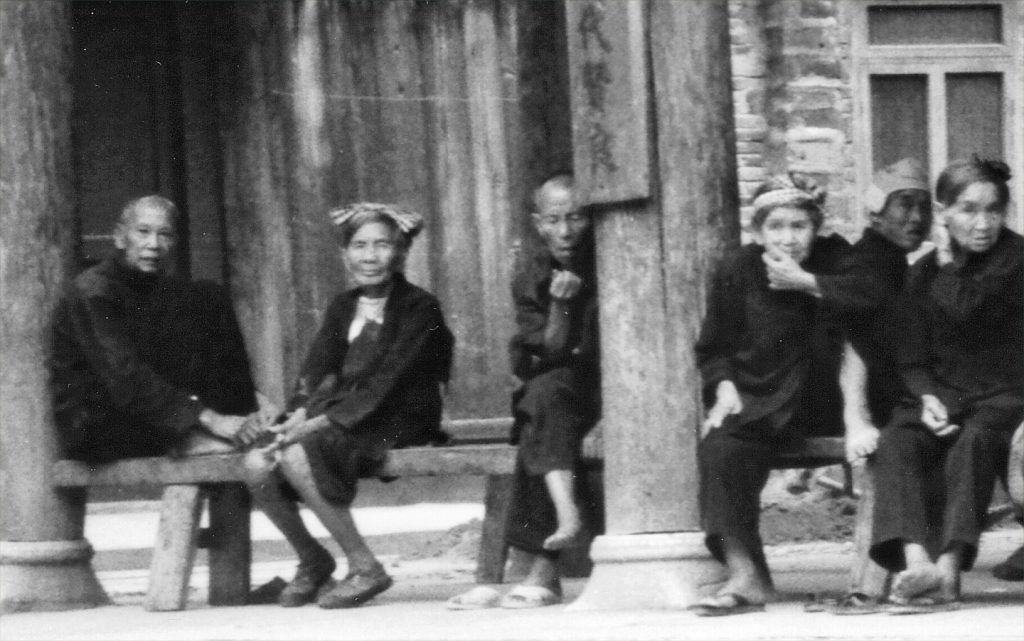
(608, 68)
(231, 552)
(341, 176)
(202, 164)
(404, 151)
(308, 153)
(700, 204)
(490, 175)
(542, 125)
(167, 120)
(256, 208)
(277, 215)
(175, 548)
(455, 262)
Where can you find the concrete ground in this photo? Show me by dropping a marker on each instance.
(414, 609)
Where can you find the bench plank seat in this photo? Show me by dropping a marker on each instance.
(479, 447)
(464, 460)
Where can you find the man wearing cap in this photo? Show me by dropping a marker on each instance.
(144, 362)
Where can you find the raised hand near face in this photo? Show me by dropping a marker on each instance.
(564, 284)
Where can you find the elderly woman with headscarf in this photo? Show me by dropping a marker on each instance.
(371, 382)
(769, 361)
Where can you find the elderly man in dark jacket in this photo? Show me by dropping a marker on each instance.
(144, 362)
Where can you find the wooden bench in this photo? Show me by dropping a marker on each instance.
(479, 448)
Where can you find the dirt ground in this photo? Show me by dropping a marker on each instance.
(798, 506)
(795, 509)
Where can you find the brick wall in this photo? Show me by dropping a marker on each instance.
(792, 96)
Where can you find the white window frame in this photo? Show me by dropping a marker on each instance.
(935, 62)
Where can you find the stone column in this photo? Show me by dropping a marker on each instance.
(44, 560)
(654, 259)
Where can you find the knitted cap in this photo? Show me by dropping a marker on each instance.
(907, 173)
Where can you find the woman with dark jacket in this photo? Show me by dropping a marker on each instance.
(371, 382)
(769, 362)
(962, 364)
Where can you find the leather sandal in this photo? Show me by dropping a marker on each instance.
(308, 580)
(356, 588)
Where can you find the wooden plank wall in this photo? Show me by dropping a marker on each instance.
(323, 102)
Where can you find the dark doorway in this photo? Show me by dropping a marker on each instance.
(144, 122)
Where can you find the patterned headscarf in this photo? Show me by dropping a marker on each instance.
(408, 221)
(789, 190)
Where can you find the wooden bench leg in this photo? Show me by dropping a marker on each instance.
(229, 544)
(490, 565)
(866, 576)
(175, 548)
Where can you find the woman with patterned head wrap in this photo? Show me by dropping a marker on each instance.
(371, 382)
(768, 360)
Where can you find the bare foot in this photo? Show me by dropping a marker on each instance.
(917, 580)
(861, 442)
(198, 443)
(752, 589)
(566, 536)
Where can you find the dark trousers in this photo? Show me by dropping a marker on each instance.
(553, 412)
(935, 491)
(734, 468)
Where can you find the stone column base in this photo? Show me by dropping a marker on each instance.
(669, 571)
(48, 575)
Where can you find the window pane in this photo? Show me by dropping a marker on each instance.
(935, 24)
(974, 111)
(899, 119)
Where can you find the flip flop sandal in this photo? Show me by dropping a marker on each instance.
(818, 603)
(479, 598)
(855, 604)
(530, 596)
(724, 605)
(924, 605)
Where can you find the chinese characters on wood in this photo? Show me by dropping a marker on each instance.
(608, 76)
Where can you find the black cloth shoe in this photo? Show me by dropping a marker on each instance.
(356, 588)
(309, 578)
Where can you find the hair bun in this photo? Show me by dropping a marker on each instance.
(994, 169)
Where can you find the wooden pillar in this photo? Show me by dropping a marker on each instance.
(44, 561)
(654, 252)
